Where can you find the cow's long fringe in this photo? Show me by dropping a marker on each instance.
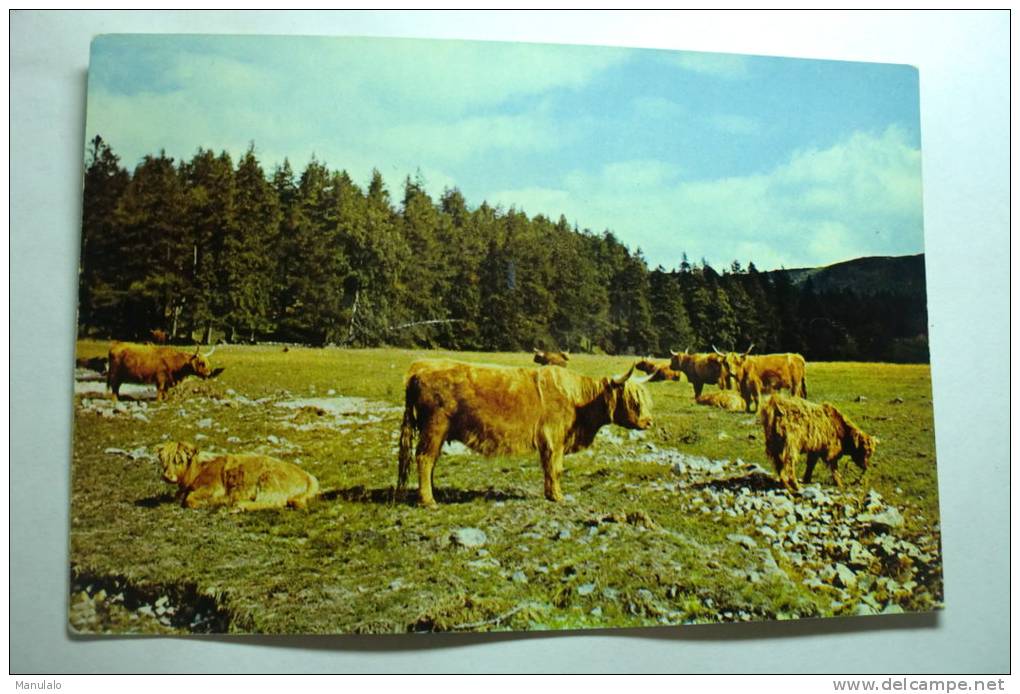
(407, 431)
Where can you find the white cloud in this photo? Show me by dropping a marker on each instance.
(859, 197)
(414, 102)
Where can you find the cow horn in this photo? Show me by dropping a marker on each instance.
(620, 380)
(209, 353)
(749, 349)
(537, 350)
(675, 354)
(688, 350)
(716, 349)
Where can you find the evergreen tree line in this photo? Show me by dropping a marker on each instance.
(209, 249)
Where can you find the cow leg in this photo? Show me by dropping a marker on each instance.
(201, 498)
(698, 385)
(430, 444)
(161, 385)
(789, 474)
(112, 383)
(834, 466)
(812, 460)
(552, 468)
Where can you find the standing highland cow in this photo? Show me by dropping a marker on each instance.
(794, 426)
(699, 369)
(498, 410)
(163, 366)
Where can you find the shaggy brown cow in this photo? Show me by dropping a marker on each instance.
(657, 370)
(552, 358)
(766, 373)
(159, 337)
(246, 482)
(723, 399)
(699, 369)
(789, 367)
(794, 426)
(164, 366)
(497, 410)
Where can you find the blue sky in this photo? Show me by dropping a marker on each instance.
(778, 161)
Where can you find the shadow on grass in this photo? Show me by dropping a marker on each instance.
(157, 500)
(755, 480)
(409, 497)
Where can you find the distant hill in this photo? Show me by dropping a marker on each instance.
(902, 275)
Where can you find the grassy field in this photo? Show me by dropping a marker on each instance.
(673, 525)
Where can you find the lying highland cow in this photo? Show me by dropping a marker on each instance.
(245, 482)
(794, 426)
(552, 358)
(657, 370)
(723, 399)
(498, 410)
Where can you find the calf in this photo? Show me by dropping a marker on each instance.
(723, 399)
(245, 482)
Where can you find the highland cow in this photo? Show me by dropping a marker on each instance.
(497, 410)
(793, 426)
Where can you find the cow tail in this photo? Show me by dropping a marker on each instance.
(407, 430)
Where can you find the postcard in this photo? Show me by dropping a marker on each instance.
(392, 335)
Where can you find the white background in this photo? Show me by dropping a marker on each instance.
(965, 86)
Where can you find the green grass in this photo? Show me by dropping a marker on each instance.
(627, 549)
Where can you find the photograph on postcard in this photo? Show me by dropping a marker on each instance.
(393, 335)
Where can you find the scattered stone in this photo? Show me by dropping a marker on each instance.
(744, 540)
(860, 398)
(864, 609)
(468, 537)
(204, 423)
(273, 439)
(892, 608)
(845, 576)
(519, 577)
(563, 534)
(888, 518)
(859, 555)
(484, 563)
(596, 612)
(586, 589)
